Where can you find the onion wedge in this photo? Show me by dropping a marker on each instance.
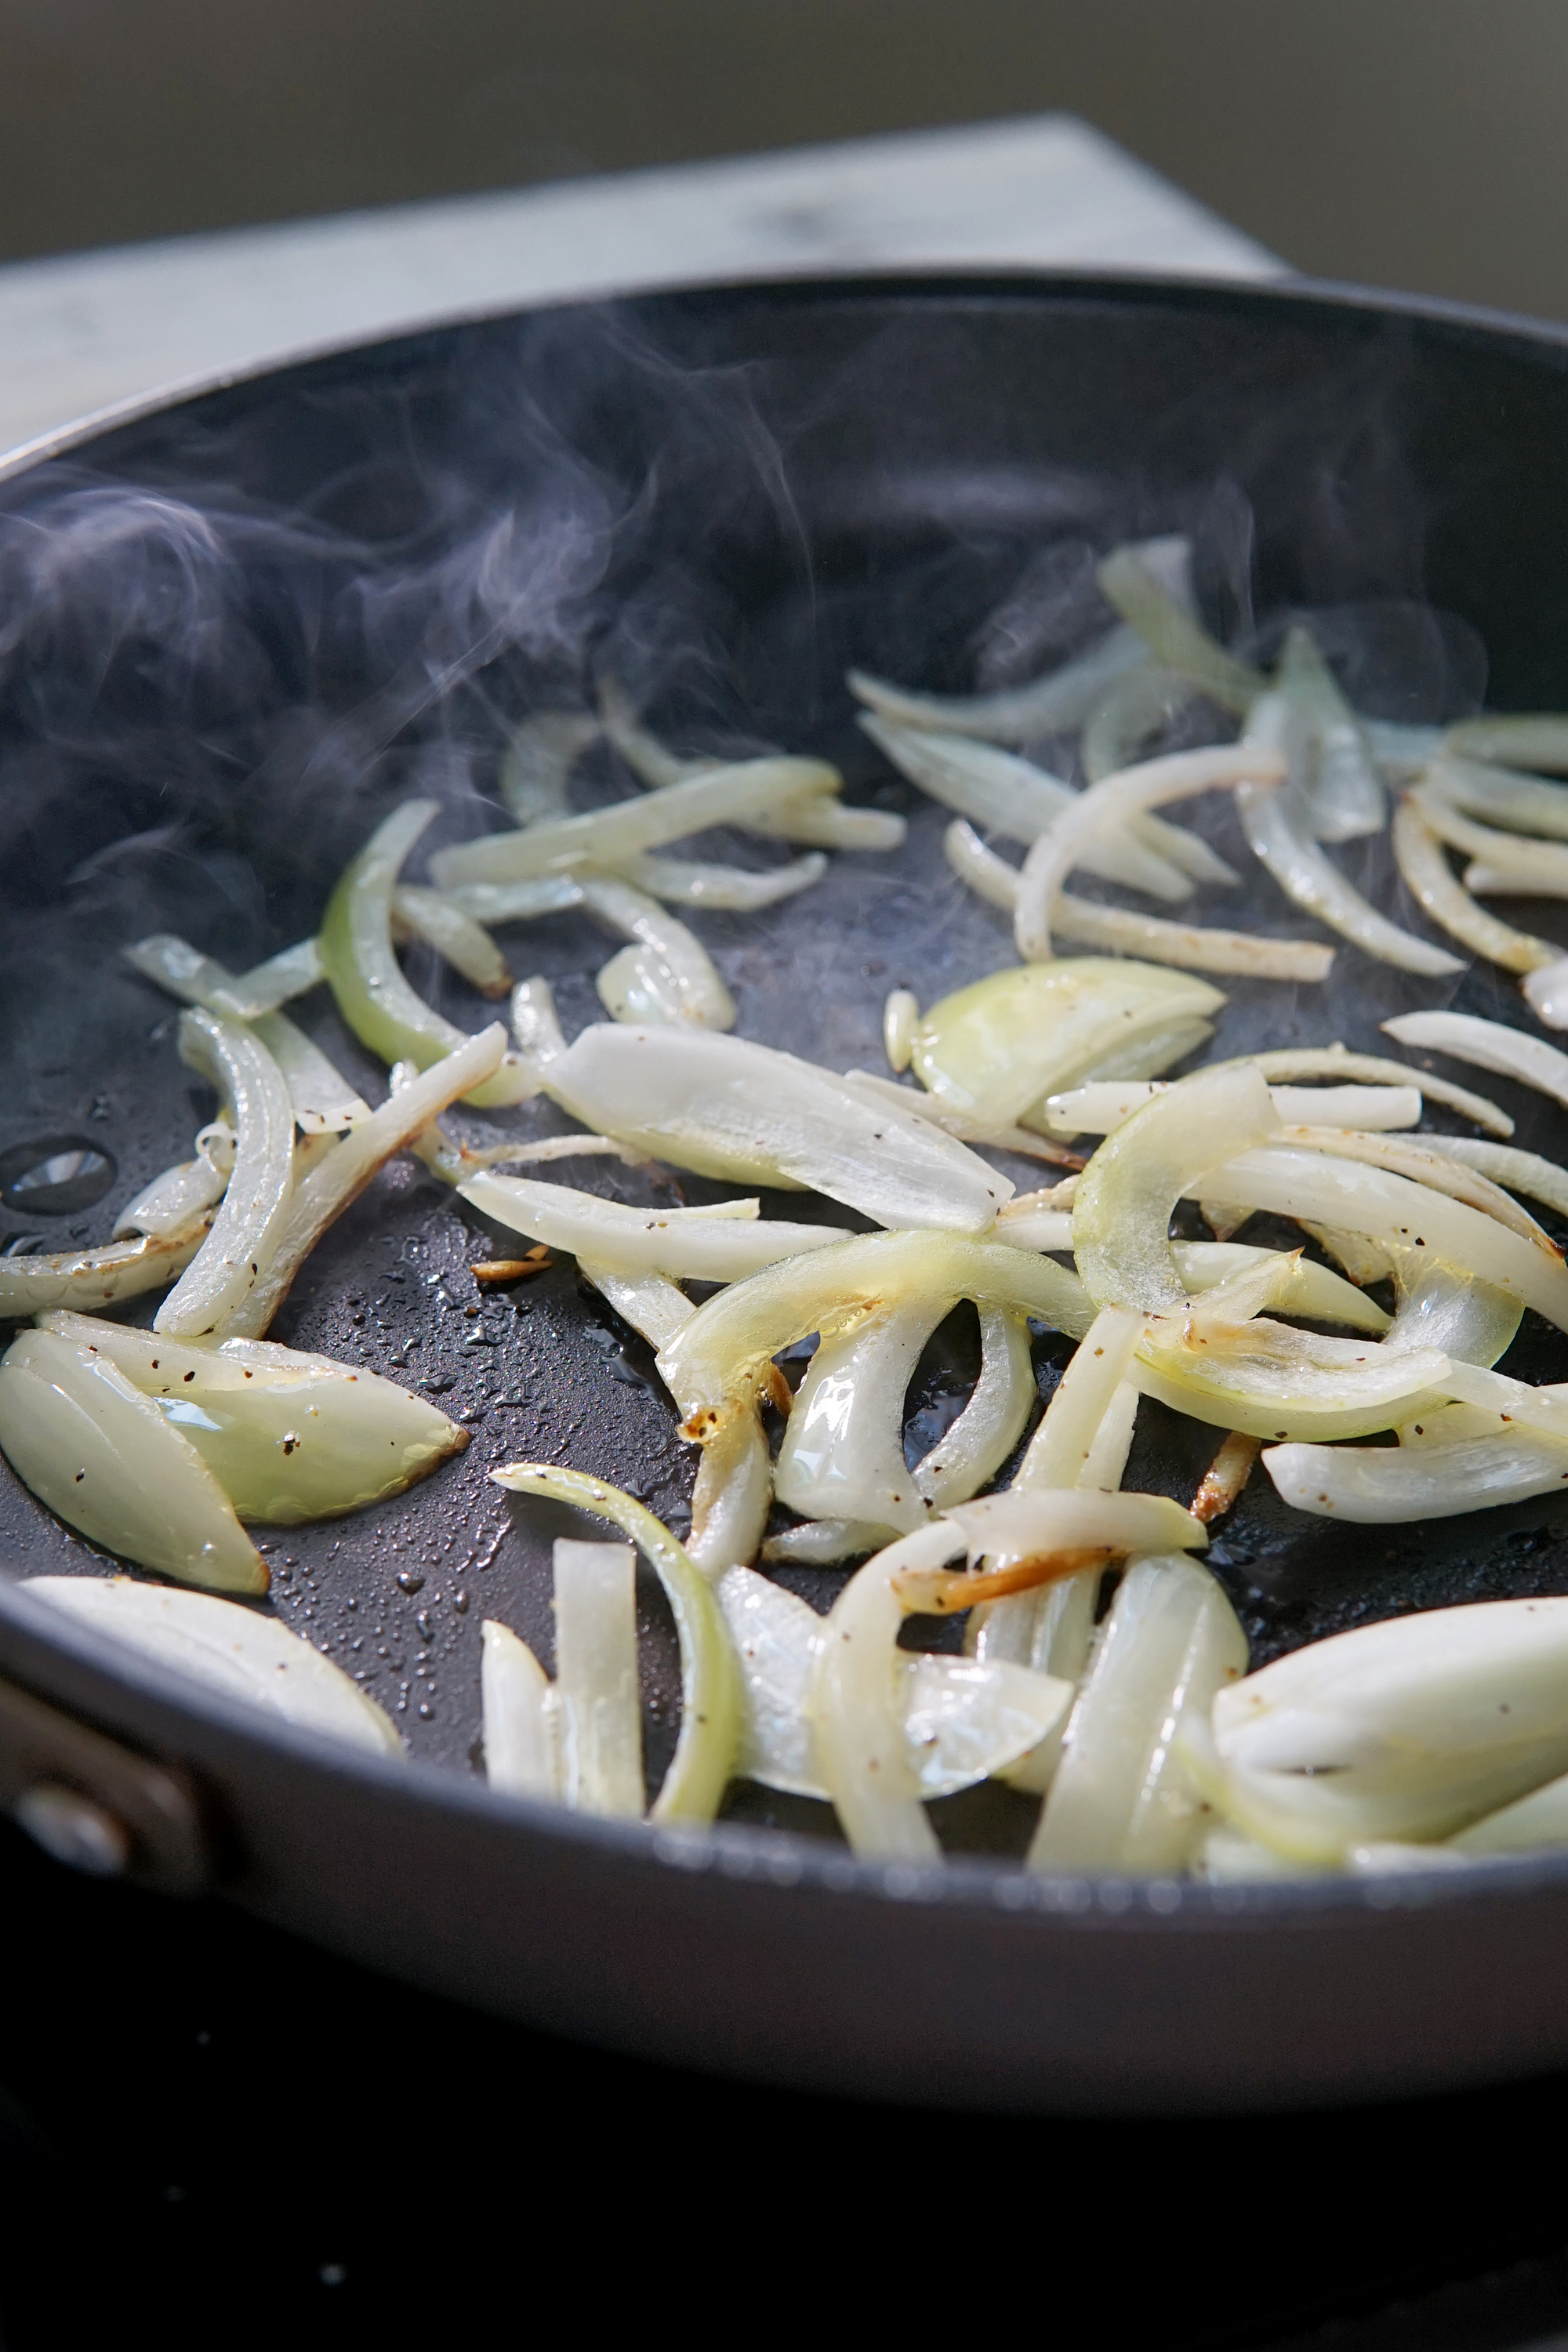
(289, 1437)
(1122, 1797)
(1489, 1044)
(1109, 805)
(366, 979)
(342, 1174)
(726, 1108)
(103, 1458)
(963, 1720)
(234, 1653)
(688, 1246)
(249, 1224)
(705, 1751)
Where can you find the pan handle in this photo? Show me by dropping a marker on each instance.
(95, 1805)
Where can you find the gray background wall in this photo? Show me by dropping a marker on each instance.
(1409, 143)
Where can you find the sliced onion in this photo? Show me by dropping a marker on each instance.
(747, 792)
(1281, 839)
(1097, 1109)
(521, 1752)
(102, 1457)
(822, 1543)
(1122, 1208)
(1052, 704)
(726, 1107)
(1109, 805)
(995, 1049)
(1338, 778)
(489, 903)
(666, 974)
(1005, 794)
(963, 1720)
(1226, 1475)
(536, 768)
(1400, 751)
(1521, 1171)
(688, 882)
(324, 1102)
(820, 821)
(246, 1231)
(1450, 906)
(1122, 1797)
(1526, 1826)
(843, 1451)
(174, 1206)
(1534, 741)
(992, 1422)
(366, 979)
(232, 1652)
(447, 927)
(92, 1279)
(1489, 1044)
(1545, 991)
(653, 1305)
(597, 1708)
(1404, 1729)
(1410, 1156)
(342, 1174)
(289, 1437)
(1383, 1485)
(1177, 640)
(720, 1353)
(1133, 710)
(734, 1490)
(196, 979)
(1309, 1289)
(1288, 1062)
(1041, 1229)
(1509, 853)
(1032, 1537)
(1522, 802)
(1061, 1447)
(705, 1751)
(641, 1241)
(988, 1136)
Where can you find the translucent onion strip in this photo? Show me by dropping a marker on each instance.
(1119, 930)
(177, 1203)
(988, 1135)
(367, 981)
(992, 1422)
(1519, 742)
(324, 1102)
(1489, 1044)
(83, 1439)
(1409, 1155)
(1109, 805)
(234, 1653)
(676, 1242)
(92, 1279)
(666, 974)
(1024, 1539)
(706, 1749)
(341, 1175)
(1338, 778)
(519, 1718)
(732, 1492)
(1449, 904)
(250, 1223)
(1097, 1109)
(1285, 1062)
(1525, 803)
(1176, 639)
(442, 924)
(598, 1710)
(1508, 852)
(732, 889)
(843, 1452)
(1051, 705)
(1521, 1171)
(1387, 1486)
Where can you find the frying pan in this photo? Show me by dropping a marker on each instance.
(236, 626)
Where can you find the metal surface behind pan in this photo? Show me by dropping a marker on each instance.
(239, 626)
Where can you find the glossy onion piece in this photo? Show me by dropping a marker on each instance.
(687, 1245)
(1309, 1289)
(536, 766)
(1521, 1171)
(1450, 906)
(442, 924)
(666, 974)
(1099, 1108)
(729, 1108)
(249, 1224)
(992, 1422)
(1005, 794)
(1542, 863)
(1285, 1062)
(1175, 637)
(705, 1751)
(598, 1710)
(1052, 704)
(733, 1489)
(519, 1715)
(323, 1100)
(843, 1451)
(1121, 1210)
(722, 1352)
(1122, 1797)
(1489, 1044)
(103, 1458)
(1408, 1155)
(234, 1653)
(1331, 760)
(1533, 740)
(748, 792)
(858, 1706)
(997, 1137)
(1386, 1485)
(489, 903)
(733, 890)
(1289, 1181)
(89, 1280)
(1281, 840)
(366, 977)
(289, 1437)
(1119, 930)
(822, 1543)
(1524, 804)
(175, 1204)
(343, 1174)
(1526, 1826)
(1027, 1539)
(653, 1305)
(1109, 805)
(1409, 1728)
(996, 1049)
(963, 1720)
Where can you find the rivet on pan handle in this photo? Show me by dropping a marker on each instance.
(95, 1805)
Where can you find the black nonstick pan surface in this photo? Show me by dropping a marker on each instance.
(236, 629)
